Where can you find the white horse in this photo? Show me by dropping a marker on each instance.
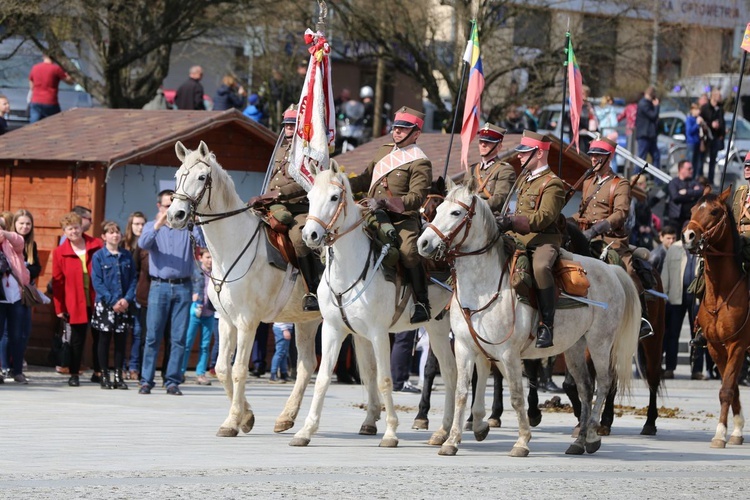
(247, 290)
(355, 297)
(489, 323)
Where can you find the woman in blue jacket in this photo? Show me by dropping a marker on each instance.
(694, 138)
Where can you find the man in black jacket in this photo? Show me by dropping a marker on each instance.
(683, 192)
(713, 114)
(190, 94)
(646, 120)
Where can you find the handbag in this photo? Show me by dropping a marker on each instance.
(31, 296)
(60, 352)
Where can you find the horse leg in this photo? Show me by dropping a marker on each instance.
(382, 347)
(465, 367)
(497, 398)
(440, 344)
(569, 386)
(305, 339)
(650, 350)
(422, 420)
(474, 380)
(532, 367)
(575, 360)
(513, 373)
(240, 414)
(331, 340)
(608, 413)
(739, 420)
(368, 375)
(478, 409)
(227, 347)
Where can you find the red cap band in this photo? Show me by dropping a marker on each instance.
(747, 158)
(602, 145)
(409, 118)
(533, 143)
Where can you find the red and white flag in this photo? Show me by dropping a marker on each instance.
(316, 121)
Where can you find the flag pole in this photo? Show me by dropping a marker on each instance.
(734, 121)
(562, 111)
(455, 109)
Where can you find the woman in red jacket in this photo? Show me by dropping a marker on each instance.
(72, 292)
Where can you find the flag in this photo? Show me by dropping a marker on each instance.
(575, 85)
(746, 39)
(315, 132)
(473, 104)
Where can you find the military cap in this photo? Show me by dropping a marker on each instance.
(290, 115)
(747, 158)
(602, 146)
(408, 118)
(531, 141)
(491, 133)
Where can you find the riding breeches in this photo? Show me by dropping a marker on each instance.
(627, 258)
(543, 259)
(295, 234)
(408, 233)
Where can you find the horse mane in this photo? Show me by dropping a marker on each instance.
(731, 222)
(228, 195)
(483, 210)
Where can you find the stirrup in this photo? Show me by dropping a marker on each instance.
(699, 340)
(544, 336)
(421, 313)
(646, 330)
(310, 302)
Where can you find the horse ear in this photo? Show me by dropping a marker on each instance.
(472, 185)
(181, 151)
(725, 194)
(203, 149)
(440, 186)
(449, 184)
(335, 166)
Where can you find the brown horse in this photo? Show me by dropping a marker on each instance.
(725, 309)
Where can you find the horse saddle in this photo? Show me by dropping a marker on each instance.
(279, 247)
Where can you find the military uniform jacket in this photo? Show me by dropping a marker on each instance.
(410, 181)
(281, 182)
(741, 210)
(494, 181)
(541, 198)
(607, 198)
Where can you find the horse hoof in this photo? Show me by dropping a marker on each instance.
(227, 432)
(481, 435)
(494, 422)
(438, 439)
(448, 450)
(648, 430)
(468, 426)
(299, 442)
(388, 443)
(593, 446)
(368, 430)
(736, 440)
(718, 443)
(574, 449)
(248, 423)
(576, 432)
(535, 420)
(519, 451)
(604, 430)
(420, 424)
(283, 425)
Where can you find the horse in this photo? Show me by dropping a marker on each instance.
(725, 309)
(491, 325)
(355, 297)
(246, 289)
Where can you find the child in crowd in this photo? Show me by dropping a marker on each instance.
(202, 316)
(114, 280)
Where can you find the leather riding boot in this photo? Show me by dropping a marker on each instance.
(546, 376)
(119, 381)
(310, 275)
(544, 332)
(418, 278)
(646, 329)
(104, 380)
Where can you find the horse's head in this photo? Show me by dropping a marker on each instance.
(330, 201)
(434, 198)
(193, 180)
(708, 221)
(455, 226)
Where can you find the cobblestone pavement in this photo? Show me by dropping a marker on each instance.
(60, 442)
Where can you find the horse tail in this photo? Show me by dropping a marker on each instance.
(626, 337)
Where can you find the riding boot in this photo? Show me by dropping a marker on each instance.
(546, 299)
(545, 377)
(418, 278)
(119, 381)
(104, 380)
(646, 329)
(310, 275)
(699, 340)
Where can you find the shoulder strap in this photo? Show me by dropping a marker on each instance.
(615, 181)
(483, 183)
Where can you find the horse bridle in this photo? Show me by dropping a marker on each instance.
(331, 236)
(704, 244)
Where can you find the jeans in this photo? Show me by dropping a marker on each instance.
(280, 361)
(206, 324)
(696, 156)
(260, 349)
(215, 348)
(12, 325)
(39, 111)
(136, 348)
(675, 315)
(401, 354)
(171, 302)
(713, 150)
(647, 145)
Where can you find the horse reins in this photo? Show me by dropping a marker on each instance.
(332, 236)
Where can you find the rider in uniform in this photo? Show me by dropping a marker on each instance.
(398, 180)
(541, 198)
(605, 205)
(288, 192)
(494, 178)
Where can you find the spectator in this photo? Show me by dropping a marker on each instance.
(402, 352)
(44, 83)
(280, 362)
(190, 94)
(713, 114)
(113, 277)
(13, 275)
(343, 97)
(694, 137)
(259, 353)
(254, 110)
(646, 120)
(667, 236)
(171, 269)
(516, 121)
(133, 230)
(85, 215)
(201, 318)
(606, 115)
(682, 193)
(4, 110)
(72, 292)
(229, 95)
(532, 113)
(629, 113)
(346, 365)
(367, 96)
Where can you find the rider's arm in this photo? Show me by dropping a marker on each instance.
(620, 205)
(506, 177)
(420, 182)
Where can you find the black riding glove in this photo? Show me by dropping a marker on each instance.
(601, 227)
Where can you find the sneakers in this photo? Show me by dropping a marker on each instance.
(202, 380)
(408, 387)
(21, 379)
(145, 389)
(174, 390)
(697, 376)
(275, 380)
(668, 374)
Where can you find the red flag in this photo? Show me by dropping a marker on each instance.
(575, 85)
(746, 39)
(473, 104)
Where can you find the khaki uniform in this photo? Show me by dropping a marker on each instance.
(541, 198)
(741, 212)
(291, 195)
(495, 180)
(411, 182)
